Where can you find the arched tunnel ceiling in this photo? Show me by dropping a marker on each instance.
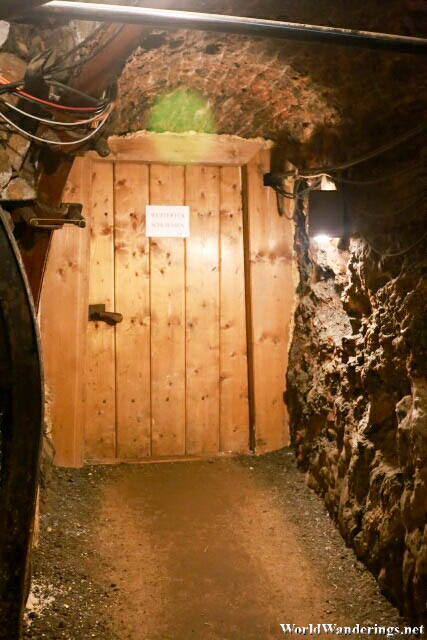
(284, 90)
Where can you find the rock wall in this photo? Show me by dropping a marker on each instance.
(16, 175)
(357, 397)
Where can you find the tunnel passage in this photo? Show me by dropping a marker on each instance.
(356, 380)
(229, 548)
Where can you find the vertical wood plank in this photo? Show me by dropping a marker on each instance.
(234, 412)
(132, 289)
(270, 247)
(167, 267)
(202, 311)
(101, 412)
(63, 321)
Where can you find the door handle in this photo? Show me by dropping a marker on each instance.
(97, 313)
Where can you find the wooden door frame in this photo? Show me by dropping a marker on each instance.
(253, 156)
(183, 149)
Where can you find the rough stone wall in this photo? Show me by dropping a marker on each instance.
(16, 183)
(300, 94)
(357, 396)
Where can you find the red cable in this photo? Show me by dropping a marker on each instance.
(50, 104)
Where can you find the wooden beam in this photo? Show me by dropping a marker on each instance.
(63, 320)
(106, 66)
(132, 292)
(271, 298)
(167, 260)
(234, 418)
(100, 438)
(184, 148)
(34, 248)
(202, 311)
(94, 77)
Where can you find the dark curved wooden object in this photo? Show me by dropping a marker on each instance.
(21, 393)
(21, 274)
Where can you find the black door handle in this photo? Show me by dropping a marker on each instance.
(97, 313)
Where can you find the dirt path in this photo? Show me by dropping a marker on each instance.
(204, 553)
(227, 550)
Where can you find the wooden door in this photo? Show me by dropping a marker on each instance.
(172, 378)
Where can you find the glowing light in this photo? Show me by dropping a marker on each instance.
(180, 111)
(322, 238)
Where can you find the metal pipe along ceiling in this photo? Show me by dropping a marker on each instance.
(167, 18)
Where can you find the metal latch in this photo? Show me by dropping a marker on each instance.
(72, 214)
(97, 313)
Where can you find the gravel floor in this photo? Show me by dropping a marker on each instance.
(102, 569)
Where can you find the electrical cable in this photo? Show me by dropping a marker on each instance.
(56, 142)
(78, 46)
(299, 202)
(283, 193)
(373, 181)
(297, 197)
(293, 196)
(280, 207)
(87, 58)
(49, 108)
(54, 67)
(55, 105)
(367, 156)
(317, 172)
(82, 94)
(76, 123)
(8, 87)
(100, 109)
(391, 214)
(314, 175)
(385, 254)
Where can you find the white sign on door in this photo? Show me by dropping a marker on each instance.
(167, 221)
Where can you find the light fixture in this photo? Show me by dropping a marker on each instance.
(327, 184)
(326, 214)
